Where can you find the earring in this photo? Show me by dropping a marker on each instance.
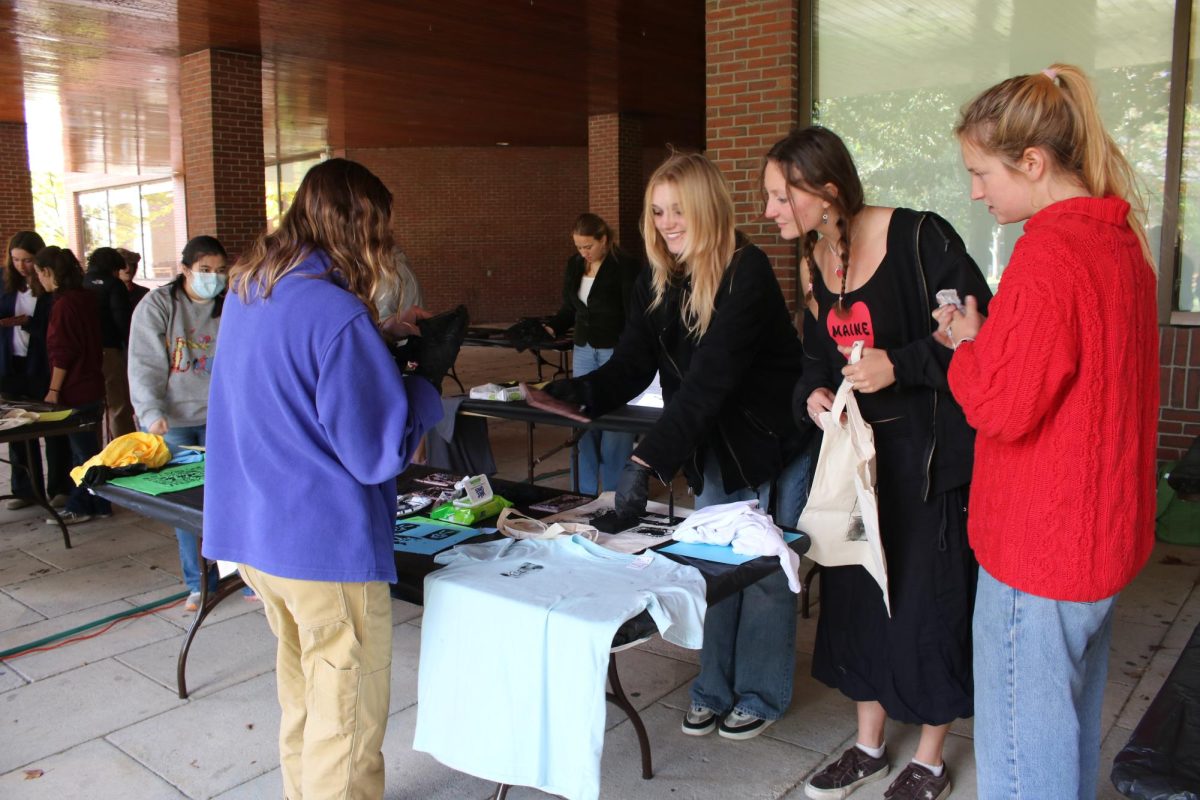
(824, 217)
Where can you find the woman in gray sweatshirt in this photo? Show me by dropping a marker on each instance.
(172, 341)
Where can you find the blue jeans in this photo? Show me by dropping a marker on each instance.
(1040, 670)
(84, 445)
(749, 655)
(601, 453)
(189, 542)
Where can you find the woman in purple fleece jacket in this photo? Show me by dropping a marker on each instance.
(309, 422)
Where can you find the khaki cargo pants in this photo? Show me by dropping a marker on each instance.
(333, 669)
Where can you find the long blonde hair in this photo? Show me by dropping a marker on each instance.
(1055, 109)
(342, 209)
(707, 207)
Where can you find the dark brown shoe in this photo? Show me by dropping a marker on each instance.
(854, 769)
(918, 783)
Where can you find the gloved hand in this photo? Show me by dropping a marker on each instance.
(567, 391)
(633, 490)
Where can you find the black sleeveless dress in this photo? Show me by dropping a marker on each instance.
(917, 664)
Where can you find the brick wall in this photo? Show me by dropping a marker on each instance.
(16, 193)
(487, 226)
(1179, 384)
(222, 126)
(752, 52)
(615, 174)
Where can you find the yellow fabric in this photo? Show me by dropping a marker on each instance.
(132, 448)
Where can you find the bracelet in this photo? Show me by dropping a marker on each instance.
(56, 391)
(963, 340)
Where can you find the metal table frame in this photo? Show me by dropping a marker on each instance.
(30, 434)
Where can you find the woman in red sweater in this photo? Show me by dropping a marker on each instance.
(1061, 385)
(76, 379)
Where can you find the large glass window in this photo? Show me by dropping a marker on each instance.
(1187, 274)
(891, 77)
(139, 217)
(283, 179)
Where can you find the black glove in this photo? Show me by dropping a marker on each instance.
(633, 491)
(568, 391)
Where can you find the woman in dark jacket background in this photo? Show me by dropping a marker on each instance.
(115, 313)
(25, 370)
(710, 317)
(76, 377)
(596, 290)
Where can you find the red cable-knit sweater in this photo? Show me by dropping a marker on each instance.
(1062, 387)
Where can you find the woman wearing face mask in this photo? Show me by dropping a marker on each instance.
(171, 344)
(599, 281)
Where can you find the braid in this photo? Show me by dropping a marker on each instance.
(843, 224)
(808, 246)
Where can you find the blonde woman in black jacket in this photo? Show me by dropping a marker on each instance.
(599, 281)
(711, 318)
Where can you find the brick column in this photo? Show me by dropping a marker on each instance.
(615, 175)
(16, 192)
(222, 116)
(752, 49)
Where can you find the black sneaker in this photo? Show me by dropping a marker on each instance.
(854, 769)
(699, 721)
(916, 782)
(742, 726)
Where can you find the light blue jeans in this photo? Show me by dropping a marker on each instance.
(601, 453)
(1040, 670)
(749, 655)
(189, 543)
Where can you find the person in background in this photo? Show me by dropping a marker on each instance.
(875, 272)
(172, 343)
(309, 423)
(76, 374)
(1061, 383)
(128, 273)
(113, 299)
(596, 290)
(710, 317)
(25, 370)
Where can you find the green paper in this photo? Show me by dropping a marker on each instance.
(171, 479)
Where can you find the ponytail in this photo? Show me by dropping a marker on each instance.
(1056, 110)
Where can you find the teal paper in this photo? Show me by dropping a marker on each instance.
(722, 554)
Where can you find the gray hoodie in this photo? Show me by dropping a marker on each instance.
(172, 342)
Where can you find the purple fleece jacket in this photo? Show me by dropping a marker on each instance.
(309, 422)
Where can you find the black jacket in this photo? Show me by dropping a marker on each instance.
(112, 299)
(729, 392)
(35, 381)
(600, 321)
(932, 257)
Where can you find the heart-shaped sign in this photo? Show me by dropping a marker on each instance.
(849, 328)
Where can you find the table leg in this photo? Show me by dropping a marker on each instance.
(34, 468)
(529, 448)
(225, 587)
(617, 697)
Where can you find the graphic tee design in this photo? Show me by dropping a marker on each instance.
(514, 654)
(856, 325)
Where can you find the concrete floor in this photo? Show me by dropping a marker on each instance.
(100, 718)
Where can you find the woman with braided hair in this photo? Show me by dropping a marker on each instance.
(875, 272)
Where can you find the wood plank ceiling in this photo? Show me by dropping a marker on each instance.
(358, 73)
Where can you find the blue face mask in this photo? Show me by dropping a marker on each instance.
(207, 285)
